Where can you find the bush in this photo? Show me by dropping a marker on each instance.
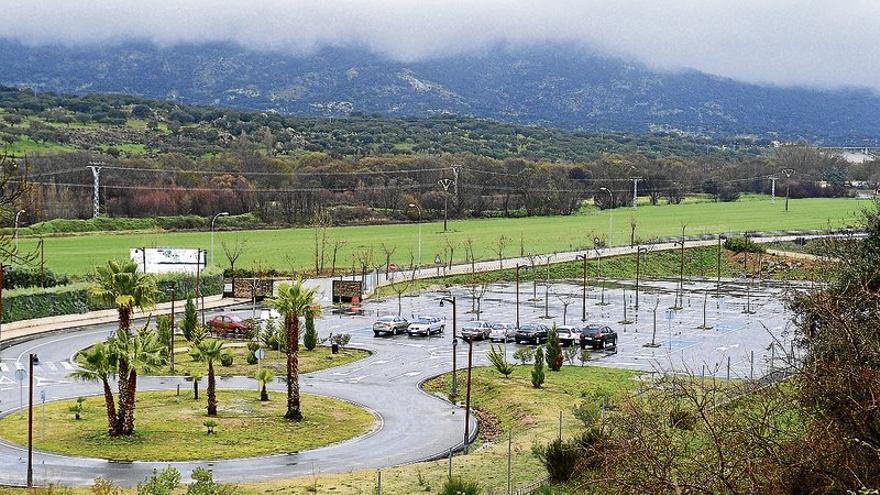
(226, 359)
(105, 487)
(559, 459)
(523, 355)
(162, 482)
(458, 486)
(252, 358)
(204, 484)
(310, 337)
(538, 370)
(554, 350)
(499, 360)
(743, 244)
(20, 278)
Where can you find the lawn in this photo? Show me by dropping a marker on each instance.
(246, 427)
(309, 361)
(288, 249)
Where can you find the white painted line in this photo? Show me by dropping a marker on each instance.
(51, 366)
(68, 365)
(3, 367)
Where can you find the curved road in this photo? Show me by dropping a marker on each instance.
(413, 426)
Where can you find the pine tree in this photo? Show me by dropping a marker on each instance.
(190, 319)
(310, 337)
(538, 370)
(554, 350)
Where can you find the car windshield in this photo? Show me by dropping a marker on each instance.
(499, 326)
(473, 324)
(529, 328)
(424, 321)
(386, 319)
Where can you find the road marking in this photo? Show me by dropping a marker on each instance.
(51, 366)
(3, 367)
(412, 373)
(5, 380)
(18, 365)
(68, 365)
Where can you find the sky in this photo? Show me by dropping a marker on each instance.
(815, 43)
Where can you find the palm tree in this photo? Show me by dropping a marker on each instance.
(209, 350)
(97, 365)
(143, 353)
(292, 301)
(263, 377)
(120, 285)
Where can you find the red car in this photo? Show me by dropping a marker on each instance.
(229, 324)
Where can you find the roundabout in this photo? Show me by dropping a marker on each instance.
(172, 427)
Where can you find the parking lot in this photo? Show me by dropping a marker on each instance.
(748, 327)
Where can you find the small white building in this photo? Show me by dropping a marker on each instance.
(169, 260)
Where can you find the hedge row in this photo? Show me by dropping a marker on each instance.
(110, 224)
(25, 304)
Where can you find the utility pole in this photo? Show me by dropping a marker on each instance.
(636, 191)
(30, 461)
(584, 295)
(773, 189)
(467, 401)
(445, 183)
(788, 172)
(96, 173)
(171, 345)
(455, 172)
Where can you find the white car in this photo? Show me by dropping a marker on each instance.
(502, 332)
(567, 334)
(426, 325)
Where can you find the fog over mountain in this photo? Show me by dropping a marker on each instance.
(789, 42)
(781, 69)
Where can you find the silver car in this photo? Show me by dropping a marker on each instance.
(502, 332)
(390, 325)
(476, 330)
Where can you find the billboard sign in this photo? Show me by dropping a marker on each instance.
(169, 260)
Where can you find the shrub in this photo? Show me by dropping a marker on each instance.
(743, 244)
(498, 358)
(559, 459)
(554, 350)
(162, 482)
(226, 359)
(24, 277)
(77, 408)
(523, 355)
(584, 356)
(253, 346)
(105, 487)
(252, 358)
(458, 486)
(204, 484)
(340, 339)
(538, 370)
(310, 337)
(682, 419)
(190, 320)
(210, 425)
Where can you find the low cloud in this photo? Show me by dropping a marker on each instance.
(788, 42)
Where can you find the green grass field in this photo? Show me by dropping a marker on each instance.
(246, 427)
(293, 248)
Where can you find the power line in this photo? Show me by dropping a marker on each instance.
(221, 189)
(276, 174)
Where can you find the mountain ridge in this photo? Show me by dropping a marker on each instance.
(544, 85)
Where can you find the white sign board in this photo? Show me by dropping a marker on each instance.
(169, 260)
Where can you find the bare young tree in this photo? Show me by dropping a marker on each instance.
(233, 250)
(566, 298)
(498, 248)
(477, 286)
(335, 246)
(364, 257)
(389, 250)
(321, 224)
(400, 285)
(469, 254)
(450, 249)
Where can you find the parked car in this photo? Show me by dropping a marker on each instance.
(476, 330)
(502, 332)
(597, 336)
(426, 325)
(532, 333)
(390, 324)
(567, 334)
(230, 325)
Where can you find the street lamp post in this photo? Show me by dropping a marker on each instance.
(413, 205)
(454, 391)
(610, 216)
(518, 268)
(584, 295)
(15, 229)
(173, 291)
(639, 252)
(32, 358)
(467, 401)
(214, 219)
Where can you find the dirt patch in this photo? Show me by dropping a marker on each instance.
(489, 425)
